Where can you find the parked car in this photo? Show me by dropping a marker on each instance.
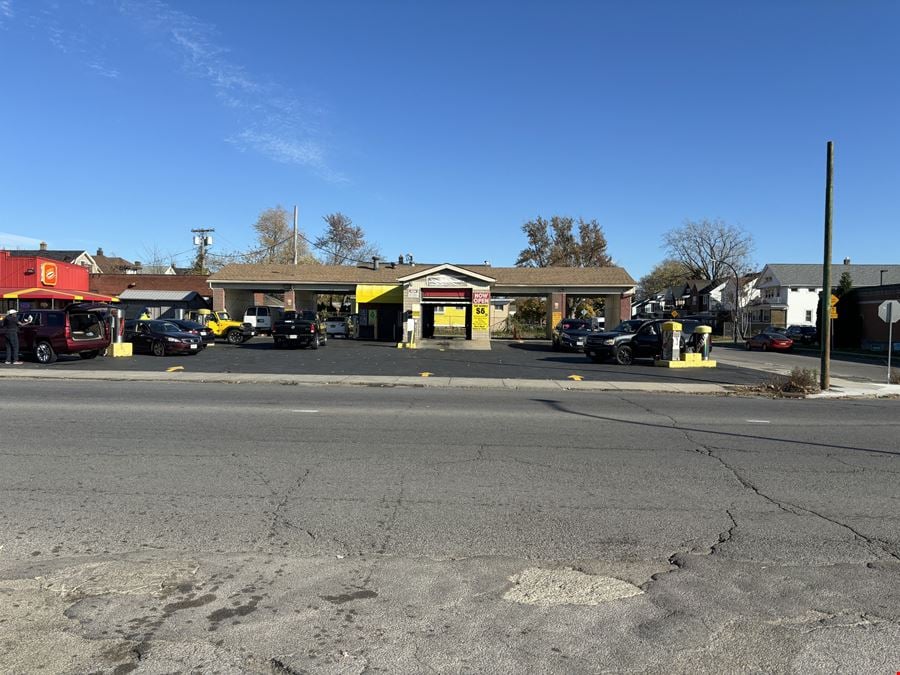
(207, 337)
(262, 317)
(77, 329)
(570, 334)
(636, 339)
(770, 341)
(338, 326)
(806, 335)
(222, 325)
(160, 337)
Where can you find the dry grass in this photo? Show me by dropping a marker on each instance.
(895, 376)
(800, 381)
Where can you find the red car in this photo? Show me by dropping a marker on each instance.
(774, 341)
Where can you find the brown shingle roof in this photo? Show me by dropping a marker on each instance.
(568, 276)
(112, 264)
(114, 284)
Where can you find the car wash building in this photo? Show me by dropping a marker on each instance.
(383, 294)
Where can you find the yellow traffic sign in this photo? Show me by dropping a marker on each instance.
(833, 313)
(834, 300)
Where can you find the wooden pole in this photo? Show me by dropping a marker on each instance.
(825, 310)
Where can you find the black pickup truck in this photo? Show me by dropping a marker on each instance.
(298, 329)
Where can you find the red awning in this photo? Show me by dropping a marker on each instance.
(54, 294)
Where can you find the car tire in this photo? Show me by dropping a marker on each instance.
(235, 337)
(625, 355)
(315, 343)
(748, 346)
(158, 348)
(90, 354)
(44, 353)
(764, 347)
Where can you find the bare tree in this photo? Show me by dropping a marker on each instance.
(343, 243)
(275, 240)
(154, 260)
(706, 248)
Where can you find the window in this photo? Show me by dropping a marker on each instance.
(809, 315)
(438, 309)
(251, 311)
(795, 290)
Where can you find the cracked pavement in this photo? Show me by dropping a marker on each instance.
(160, 527)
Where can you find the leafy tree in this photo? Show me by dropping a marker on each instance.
(664, 275)
(343, 243)
(553, 243)
(706, 247)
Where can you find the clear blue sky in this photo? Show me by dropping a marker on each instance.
(440, 127)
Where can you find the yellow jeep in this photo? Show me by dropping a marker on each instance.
(222, 325)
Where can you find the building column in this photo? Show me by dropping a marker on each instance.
(289, 300)
(305, 300)
(556, 309)
(612, 310)
(218, 299)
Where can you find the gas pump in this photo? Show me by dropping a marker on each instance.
(702, 337)
(117, 345)
(671, 341)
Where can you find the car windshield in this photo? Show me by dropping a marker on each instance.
(574, 324)
(164, 327)
(337, 319)
(224, 316)
(190, 325)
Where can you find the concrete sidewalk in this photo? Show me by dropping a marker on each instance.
(840, 388)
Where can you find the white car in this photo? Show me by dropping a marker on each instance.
(337, 326)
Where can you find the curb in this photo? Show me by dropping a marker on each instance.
(375, 381)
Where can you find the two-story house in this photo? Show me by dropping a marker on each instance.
(789, 293)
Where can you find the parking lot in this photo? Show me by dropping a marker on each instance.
(506, 359)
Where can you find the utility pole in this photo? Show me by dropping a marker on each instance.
(295, 234)
(825, 308)
(202, 240)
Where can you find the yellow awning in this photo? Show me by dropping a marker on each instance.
(384, 293)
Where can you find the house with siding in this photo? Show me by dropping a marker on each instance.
(789, 292)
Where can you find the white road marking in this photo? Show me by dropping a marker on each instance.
(759, 421)
(305, 411)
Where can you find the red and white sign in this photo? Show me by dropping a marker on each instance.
(49, 274)
(481, 297)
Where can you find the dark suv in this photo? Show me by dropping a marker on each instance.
(635, 339)
(806, 335)
(77, 329)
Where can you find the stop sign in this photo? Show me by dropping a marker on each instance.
(889, 311)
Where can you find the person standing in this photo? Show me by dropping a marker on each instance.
(10, 329)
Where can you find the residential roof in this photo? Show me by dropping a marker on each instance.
(62, 256)
(795, 274)
(110, 264)
(504, 276)
(149, 294)
(116, 284)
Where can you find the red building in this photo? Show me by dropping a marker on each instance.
(36, 282)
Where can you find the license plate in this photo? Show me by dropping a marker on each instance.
(580, 343)
(193, 346)
(292, 337)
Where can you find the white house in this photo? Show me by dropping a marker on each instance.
(789, 293)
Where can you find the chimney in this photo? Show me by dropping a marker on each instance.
(400, 259)
(846, 261)
(99, 251)
(43, 246)
(375, 260)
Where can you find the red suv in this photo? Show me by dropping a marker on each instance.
(74, 330)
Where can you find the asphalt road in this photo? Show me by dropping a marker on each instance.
(506, 359)
(166, 527)
(854, 368)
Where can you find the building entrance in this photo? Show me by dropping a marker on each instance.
(443, 319)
